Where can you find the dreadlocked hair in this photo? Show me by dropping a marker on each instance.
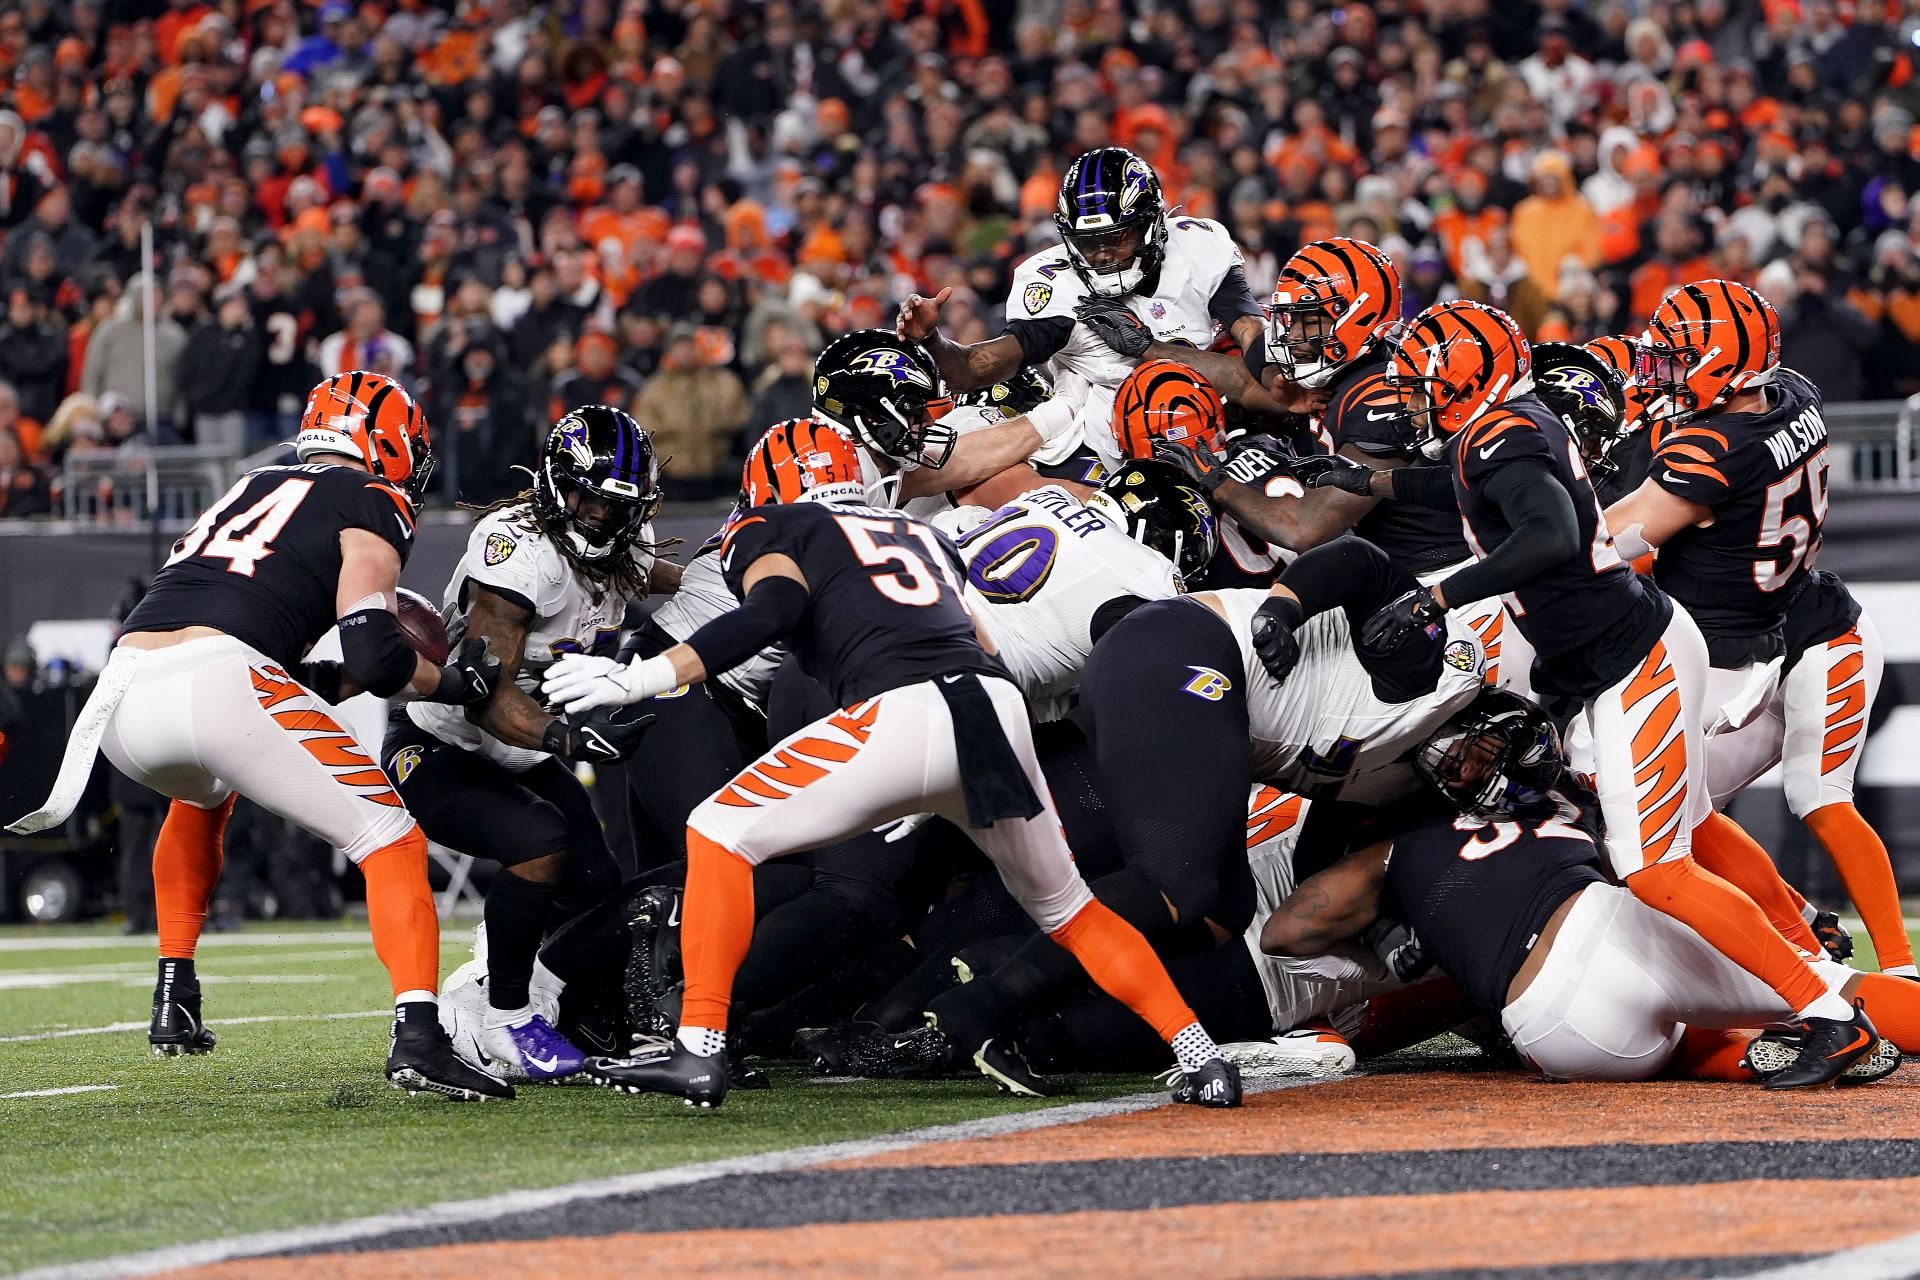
(617, 573)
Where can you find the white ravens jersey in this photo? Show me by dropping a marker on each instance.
(704, 596)
(1323, 732)
(509, 555)
(1299, 990)
(1199, 255)
(883, 489)
(1037, 570)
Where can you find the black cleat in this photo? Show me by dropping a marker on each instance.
(176, 1028)
(1833, 935)
(1002, 1062)
(1828, 1047)
(653, 962)
(1215, 1084)
(826, 1047)
(669, 1068)
(920, 1054)
(742, 1074)
(1774, 1051)
(421, 1060)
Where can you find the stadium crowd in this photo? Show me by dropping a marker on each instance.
(671, 204)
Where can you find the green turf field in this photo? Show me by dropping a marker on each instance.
(290, 1122)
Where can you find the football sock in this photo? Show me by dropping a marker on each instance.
(1723, 847)
(1194, 1047)
(186, 866)
(1893, 1006)
(176, 975)
(1707, 1054)
(1119, 959)
(1861, 859)
(406, 928)
(1739, 930)
(516, 914)
(716, 927)
(700, 1040)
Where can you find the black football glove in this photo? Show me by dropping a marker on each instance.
(1332, 471)
(1195, 460)
(1273, 639)
(1399, 947)
(604, 735)
(467, 678)
(322, 677)
(1252, 461)
(1395, 623)
(1113, 322)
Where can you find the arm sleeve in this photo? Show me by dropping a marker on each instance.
(1426, 487)
(1233, 298)
(1040, 340)
(1349, 573)
(375, 653)
(773, 608)
(1545, 534)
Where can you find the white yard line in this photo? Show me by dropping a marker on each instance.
(114, 1028)
(38, 981)
(1894, 1259)
(57, 1093)
(460, 1211)
(145, 967)
(144, 942)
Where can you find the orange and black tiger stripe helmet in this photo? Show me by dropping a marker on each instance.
(1623, 353)
(1333, 301)
(1458, 360)
(371, 417)
(1165, 400)
(801, 460)
(1706, 343)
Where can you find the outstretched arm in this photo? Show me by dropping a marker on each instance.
(1328, 907)
(966, 366)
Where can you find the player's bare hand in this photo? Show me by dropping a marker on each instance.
(920, 316)
(1296, 398)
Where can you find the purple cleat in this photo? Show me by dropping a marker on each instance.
(532, 1050)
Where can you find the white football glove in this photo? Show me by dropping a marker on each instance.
(581, 682)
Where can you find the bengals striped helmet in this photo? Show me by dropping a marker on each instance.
(1165, 400)
(1707, 342)
(1458, 360)
(371, 417)
(801, 460)
(1333, 301)
(1623, 354)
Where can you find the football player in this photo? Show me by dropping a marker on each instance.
(206, 697)
(1607, 640)
(1262, 687)
(1616, 453)
(930, 723)
(1734, 503)
(1126, 284)
(547, 572)
(1504, 888)
(1334, 315)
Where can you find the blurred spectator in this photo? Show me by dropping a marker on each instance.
(1490, 273)
(1676, 260)
(1823, 336)
(785, 389)
(116, 362)
(33, 354)
(72, 244)
(670, 295)
(217, 369)
(596, 378)
(25, 430)
(366, 342)
(694, 411)
(24, 489)
(481, 428)
(1554, 223)
(19, 666)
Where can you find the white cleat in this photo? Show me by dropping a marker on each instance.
(463, 1015)
(1312, 1050)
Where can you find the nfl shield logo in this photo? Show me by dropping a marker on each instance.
(1036, 297)
(1159, 310)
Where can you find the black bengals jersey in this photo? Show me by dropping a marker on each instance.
(1823, 610)
(1369, 415)
(263, 563)
(1477, 894)
(884, 607)
(1764, 478)
(1590, 620)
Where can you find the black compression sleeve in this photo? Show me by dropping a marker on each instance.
(1545, 534)
(772, 608)
(1233, 299)
(375, 652)
(1040, 340)
(1426, 487)
(1349, 572)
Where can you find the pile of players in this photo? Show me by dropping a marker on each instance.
(1178, 708)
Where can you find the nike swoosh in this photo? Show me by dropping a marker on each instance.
(1488, 451)
(404, 531)
(673, 916)
(1381, 417)
(1671, 478)
(543, 1065)
(901, 1044)
(1863, 1038)
(486, 1059)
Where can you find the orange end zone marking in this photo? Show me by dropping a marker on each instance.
(1451, 1111)
(1478, 1230)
